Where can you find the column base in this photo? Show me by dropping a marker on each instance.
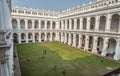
(104, 52)
(117, 58)
(94, 51)
(74, 45)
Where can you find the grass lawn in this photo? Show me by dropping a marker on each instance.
(72, 60)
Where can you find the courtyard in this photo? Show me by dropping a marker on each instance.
(61, 60)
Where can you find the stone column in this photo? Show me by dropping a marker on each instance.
(50, 25)
(88, 24)
(62, 38)
(119, 25)
(33, 22)
(81, 24)
(57, 37)
(45, 36)
(18, 21)
(86, 42)
(74, 40)
(65, 24)
(105, 46)
(51, 37)
(39, 37)
(80, 41)
(45, 25)
(95, 41)
(19, 38)
(69, 41)
(70, 24)
(108, 23)
(4, 69)
(97, 23)
(26, 37)
(26, 24)
(117, 51)
(57, 25)
(62, 26)
(33, 37)
(65, 38)
(75, 24)
(39, 24)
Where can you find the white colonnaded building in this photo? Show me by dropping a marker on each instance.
(93, 27)
(6, 42)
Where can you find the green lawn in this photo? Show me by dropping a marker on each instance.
(72, 60)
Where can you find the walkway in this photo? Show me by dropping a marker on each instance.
(17, 71)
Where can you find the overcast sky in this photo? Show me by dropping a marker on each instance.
(53, 5)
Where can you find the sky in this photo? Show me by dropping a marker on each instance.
(52, 5)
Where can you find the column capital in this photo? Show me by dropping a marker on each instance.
(18, 19)
(70, 20)
(19, 33)
(45, 21)
(75, 19)
(33, 33)
(81, 19)
(33, 20)
(88, 18)
(51, 21)
(26, 33)
(109, 17)
(26, 20)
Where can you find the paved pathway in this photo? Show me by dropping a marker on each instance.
(17, 71)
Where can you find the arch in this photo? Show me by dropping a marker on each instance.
(22, 24)
(53, 25)
(42, 36)
(84, 23)
(36, 37)
(48, 25)
(90, 43)
(14, 24)
(102, 23)
(29, 24)
(42, 25)
(23, 37)
(63, 24)
(36, 25)
(60, 37)
(111, 47)
(63, 37)
(83, 41)
(30, 37)
(72, 26)
(92, 23)
(114, 23)
(77, 40)
(53, 36)
(100, 45)
(48, 36)
(67, 37)
(78, 23)
(15, 38)
(60, 25)
(71, 39)
(67, 24)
